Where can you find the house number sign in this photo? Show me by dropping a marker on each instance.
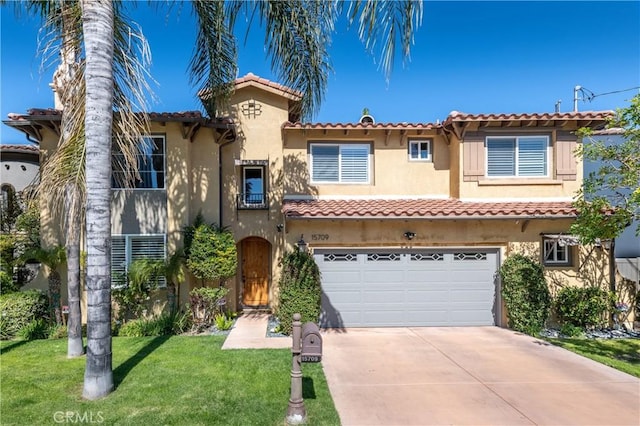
(319, 237)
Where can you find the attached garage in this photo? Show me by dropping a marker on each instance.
(408, 287)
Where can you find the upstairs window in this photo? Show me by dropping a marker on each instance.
(151, 165)
(254, 188)
(339, 163)
(522, 156)
(420, 150)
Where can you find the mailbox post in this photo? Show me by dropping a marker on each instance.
(307, 347)
(296, 413)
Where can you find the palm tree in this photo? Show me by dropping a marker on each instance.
(51, 258)
(298, 33)
(98, 29)
(173, 271)
(62, 176)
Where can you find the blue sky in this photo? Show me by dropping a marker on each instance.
(475, 57)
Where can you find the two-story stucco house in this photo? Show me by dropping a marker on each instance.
(407, 222)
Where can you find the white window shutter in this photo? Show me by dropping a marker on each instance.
(354, 166)
(324, 163)
(501, 157)
(532, 156)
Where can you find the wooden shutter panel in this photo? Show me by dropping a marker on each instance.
(473, 158)
(566, 162)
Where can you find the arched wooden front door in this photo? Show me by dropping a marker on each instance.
(256, 269)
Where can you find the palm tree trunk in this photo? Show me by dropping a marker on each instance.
(75, 346)
(98, 27)
(54, 296)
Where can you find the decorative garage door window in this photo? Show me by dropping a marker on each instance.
(470, 256)
(381, 257)
(341, 257)
(418, 257)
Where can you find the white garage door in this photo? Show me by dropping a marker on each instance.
(392, 288)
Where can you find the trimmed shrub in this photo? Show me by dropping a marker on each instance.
(300, 290)
(21, 308)
(569, 330)
(525, 294)
(212, 254)
(582, 306)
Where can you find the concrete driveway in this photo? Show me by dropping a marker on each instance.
(473, 376)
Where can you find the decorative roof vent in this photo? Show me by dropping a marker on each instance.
(366, 118)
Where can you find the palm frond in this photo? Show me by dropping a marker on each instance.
(213, 66)
(297, 38)
(384, 23)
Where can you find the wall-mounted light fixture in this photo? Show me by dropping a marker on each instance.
(302, 244)
(409, 235)
(280, 227)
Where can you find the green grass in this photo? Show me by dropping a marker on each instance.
(621, 354)
(159, 381)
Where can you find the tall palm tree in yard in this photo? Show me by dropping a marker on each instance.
(297, 39)
(98, 28)
(62, 175)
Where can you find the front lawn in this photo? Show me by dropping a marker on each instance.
(621, 354)
(159, 381)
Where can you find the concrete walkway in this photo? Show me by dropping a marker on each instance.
(250, 332)
(470, 376)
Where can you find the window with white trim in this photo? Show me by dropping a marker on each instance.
(151, 165)
(554, 253)
(339, 163)
(519, 156)
(420, 150)
(128, 248)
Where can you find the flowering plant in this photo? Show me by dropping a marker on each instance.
(621, 307)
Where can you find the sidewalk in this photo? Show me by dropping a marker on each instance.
(250, 332)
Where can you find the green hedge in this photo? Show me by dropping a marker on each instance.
(582, 306)
(525, 293)
(19, 309)
(300, 289)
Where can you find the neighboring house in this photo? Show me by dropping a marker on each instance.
(407, 222)
(19, 168)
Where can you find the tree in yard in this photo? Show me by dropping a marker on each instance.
(610, 199)
(97, 25)
(297, 38)
(52, 258)
(62, 174)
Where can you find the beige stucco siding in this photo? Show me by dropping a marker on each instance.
(564, 168)
(258, 116)
(392, 174)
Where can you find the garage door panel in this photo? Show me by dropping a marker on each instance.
(383, 296)
(344, 297)
(427, 296)
(418, 287)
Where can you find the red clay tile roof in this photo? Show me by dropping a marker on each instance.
(252, 78)
(348, 126)
(35, 113)
(28, 149)
(424, 208)
(582, 115)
